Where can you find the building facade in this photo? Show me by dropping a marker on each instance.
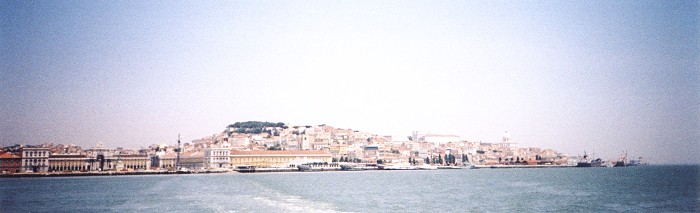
(10, 163)
(132, 162)
(101, 158)
(192, 160)
(279, 158)
(163, 161)
(69, 162)
(35, 159)
(215, 158)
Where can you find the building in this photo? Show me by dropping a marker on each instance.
(78, 162)
(164, 161)
(507, 143)
(192, 160)
(440, 139)
(35, 159)
(132, 162)
(69, 162)
(339, 150)
(434, 138)
(281, 158)
(10, 163)
(371, 152)
(216, 158)
(101, 158)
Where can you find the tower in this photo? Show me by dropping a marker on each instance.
(177, 161)
(506, 137)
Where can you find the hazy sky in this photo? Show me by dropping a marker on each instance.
(575, 76)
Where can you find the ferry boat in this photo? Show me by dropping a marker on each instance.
(245, 168)
(357, 167)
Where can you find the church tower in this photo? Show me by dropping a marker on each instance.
(506, 137)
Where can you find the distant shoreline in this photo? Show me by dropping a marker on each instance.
(109, 173)
(120, 173)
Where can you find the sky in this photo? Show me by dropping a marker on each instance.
(602, 77)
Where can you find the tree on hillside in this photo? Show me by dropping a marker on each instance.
(253, 124)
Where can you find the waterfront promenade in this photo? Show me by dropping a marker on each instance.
(105, 173)
(264, 170)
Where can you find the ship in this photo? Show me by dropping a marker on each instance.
(638, 162)
(623, 160)
(586, 162)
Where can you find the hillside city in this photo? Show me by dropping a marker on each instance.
(278, 145)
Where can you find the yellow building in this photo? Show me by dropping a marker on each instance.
(132, 162)
(281, 158)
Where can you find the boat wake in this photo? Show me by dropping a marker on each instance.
(286, 203)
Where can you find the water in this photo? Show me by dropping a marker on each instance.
(630, 189)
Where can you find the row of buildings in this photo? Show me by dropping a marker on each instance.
(99, 158)
(279, 146)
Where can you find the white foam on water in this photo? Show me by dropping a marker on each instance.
(286, 203)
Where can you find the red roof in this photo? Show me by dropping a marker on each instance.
(68, 156)
(280, 152)
(8, 155)
(183, 155)
(133, 156)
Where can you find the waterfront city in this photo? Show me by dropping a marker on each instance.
(255, 146)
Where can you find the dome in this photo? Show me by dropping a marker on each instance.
(506, 137)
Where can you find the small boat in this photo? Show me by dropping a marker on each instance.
(245, 168)
(184, 171)
(350, 167)
(468, 165)
(427, 167)
(400, 167)
(303, 168)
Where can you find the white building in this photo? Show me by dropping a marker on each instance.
(440, 139)
(218, 157)
(507, 143)
(35, 159)
(434, 138)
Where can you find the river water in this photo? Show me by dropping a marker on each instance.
(629, 189)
